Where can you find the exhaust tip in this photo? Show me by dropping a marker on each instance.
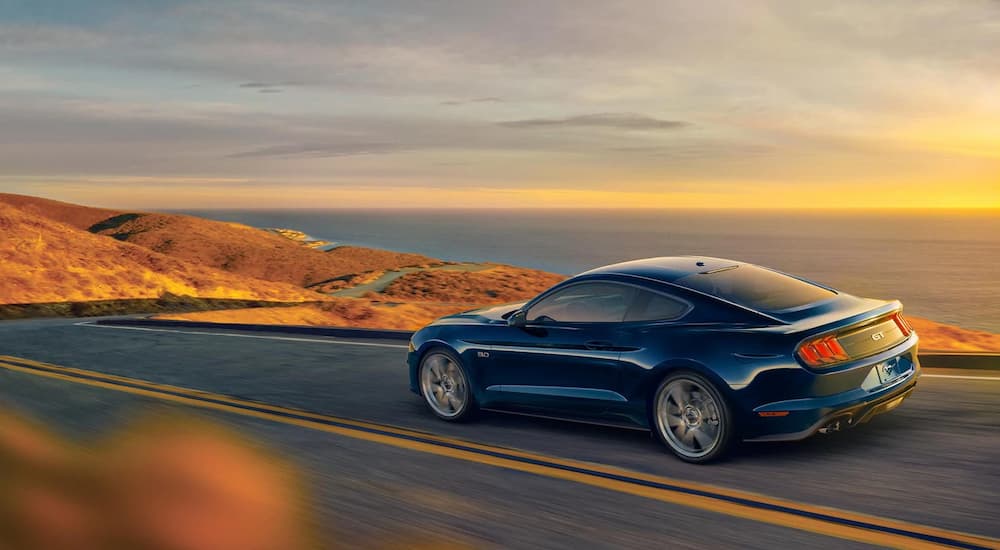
(835, 425)
(830, 428)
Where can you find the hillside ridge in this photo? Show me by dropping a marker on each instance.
(43, 260)
(232, 247)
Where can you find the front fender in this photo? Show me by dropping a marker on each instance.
(466, 352)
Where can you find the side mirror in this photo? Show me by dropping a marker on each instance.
(517, 319)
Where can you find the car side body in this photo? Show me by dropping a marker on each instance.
(759, 360)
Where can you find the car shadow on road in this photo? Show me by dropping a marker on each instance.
(538, 433)
(859, 439)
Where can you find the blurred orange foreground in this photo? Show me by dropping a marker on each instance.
(165, 483)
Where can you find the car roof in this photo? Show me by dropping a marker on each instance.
(667, 268)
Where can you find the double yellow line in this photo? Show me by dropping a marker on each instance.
(785, 513)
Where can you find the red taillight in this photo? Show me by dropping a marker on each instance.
(822, 351)
(904, 327)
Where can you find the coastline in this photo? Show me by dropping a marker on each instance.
(69, 260)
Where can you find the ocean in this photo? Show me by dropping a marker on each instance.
(942, 265)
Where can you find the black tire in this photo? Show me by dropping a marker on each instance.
(445, 386)
(691, 418)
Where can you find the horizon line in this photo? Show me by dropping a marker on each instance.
(595, 208)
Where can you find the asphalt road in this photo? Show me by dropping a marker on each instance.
(932, 463)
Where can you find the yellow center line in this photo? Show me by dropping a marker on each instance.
(831, 522)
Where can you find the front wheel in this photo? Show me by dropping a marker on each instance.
(445, 386)
(692, 418)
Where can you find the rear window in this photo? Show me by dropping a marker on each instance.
(756, 288)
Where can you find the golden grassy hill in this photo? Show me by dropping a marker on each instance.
(247, 250)
(232, 247)
(499, 284)
(42, 260)
(76, 215)
(345, 312)
(409, 302)
(941, 337)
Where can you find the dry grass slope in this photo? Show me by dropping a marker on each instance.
(347, 312)
(232, 247)
(936, 336)
(42, 260)
(496, 285)
(80, 217)
(250, 251)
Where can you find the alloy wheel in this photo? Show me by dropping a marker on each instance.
(444, 385)
(689, 418)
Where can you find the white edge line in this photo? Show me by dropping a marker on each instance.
(395, 346)
(960, 377)
(282, 338)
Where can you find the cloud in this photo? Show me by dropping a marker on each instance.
(268, 87)
(271, 84)
(617, 121)
(456, 102)
(320, 150)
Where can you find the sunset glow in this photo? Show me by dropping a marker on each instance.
(252, 104)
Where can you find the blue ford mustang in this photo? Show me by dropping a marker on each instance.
(701, 351)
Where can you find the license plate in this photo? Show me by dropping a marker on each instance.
(888, 371)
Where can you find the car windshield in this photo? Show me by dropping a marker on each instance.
(756, 288)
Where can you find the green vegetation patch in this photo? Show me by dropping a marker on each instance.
(113, 222)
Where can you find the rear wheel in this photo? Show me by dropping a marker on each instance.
(445, 386)
(692, 418)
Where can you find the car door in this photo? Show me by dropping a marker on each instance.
(566, 356)
(653, 332)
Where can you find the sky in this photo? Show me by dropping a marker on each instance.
(541, 103)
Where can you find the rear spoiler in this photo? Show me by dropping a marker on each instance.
(841, 315)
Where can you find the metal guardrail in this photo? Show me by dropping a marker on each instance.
(960, 360)
(936, 359)
(343, 332)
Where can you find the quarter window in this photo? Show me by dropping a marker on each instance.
(584, 303)
(653, 306)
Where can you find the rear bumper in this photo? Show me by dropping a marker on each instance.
(806, 417)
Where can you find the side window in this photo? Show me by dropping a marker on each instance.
(653, 306)
(584, 303)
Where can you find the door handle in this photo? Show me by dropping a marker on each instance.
(599, 344)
